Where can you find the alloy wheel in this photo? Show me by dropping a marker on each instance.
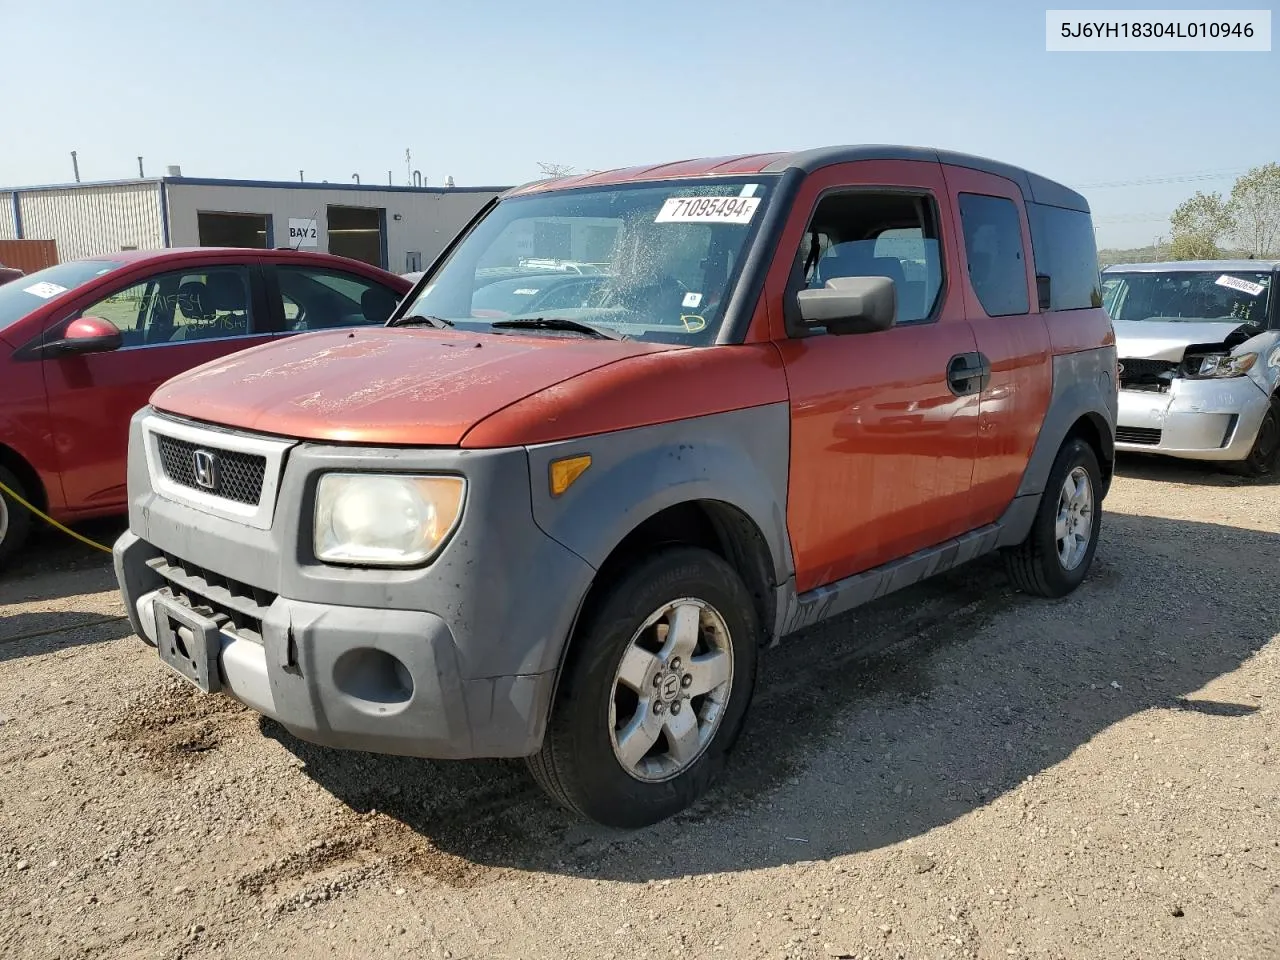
(1074, 527)
(670, 690)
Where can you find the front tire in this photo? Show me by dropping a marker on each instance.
(1262, 458)
(15, 519)
(654, 693)
(1055, 557)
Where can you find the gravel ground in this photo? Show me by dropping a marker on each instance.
(954, 772)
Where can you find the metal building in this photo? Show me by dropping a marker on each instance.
(397, 228)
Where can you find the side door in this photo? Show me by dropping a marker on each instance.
(999, 288)
(305, 297)
(883, 424)
(170, 322)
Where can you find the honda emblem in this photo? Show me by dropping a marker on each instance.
(206, 468)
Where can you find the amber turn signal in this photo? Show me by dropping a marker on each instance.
(564, 472)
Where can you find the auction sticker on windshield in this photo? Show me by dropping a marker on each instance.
(1244, 286)
(44, 290)
(708, 210)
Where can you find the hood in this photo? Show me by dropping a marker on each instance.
(384, 384)
(1166, 339)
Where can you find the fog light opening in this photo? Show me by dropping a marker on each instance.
(1229, 434)
(373, 681)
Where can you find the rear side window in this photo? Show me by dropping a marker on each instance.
(993, 248)
(317, 299)
(1066, 252)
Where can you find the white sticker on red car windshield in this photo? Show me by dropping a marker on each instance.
(44, 289)
(749, 190)
(692, 300)
(708, 210)
(1244, 286)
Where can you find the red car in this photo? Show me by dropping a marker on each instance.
(83, 345)
(8, 274)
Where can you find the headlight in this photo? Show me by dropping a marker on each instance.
(1225, 366)
(384, 520)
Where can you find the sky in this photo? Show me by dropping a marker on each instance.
(483, 91)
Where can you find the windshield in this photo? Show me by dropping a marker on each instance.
(20, 297)
(1228, 297)
(653, 261)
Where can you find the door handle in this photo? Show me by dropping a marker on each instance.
(968, 373)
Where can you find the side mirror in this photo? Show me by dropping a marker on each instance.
(1042, 291)
(850, 305)
(85, 335)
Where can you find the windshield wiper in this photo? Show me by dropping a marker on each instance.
(560, 323)
(416, 318)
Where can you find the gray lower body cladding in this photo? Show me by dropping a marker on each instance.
(453, 660)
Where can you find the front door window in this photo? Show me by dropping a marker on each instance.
(182, 306)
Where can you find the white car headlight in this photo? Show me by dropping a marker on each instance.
(1226, 366)
(384, 520)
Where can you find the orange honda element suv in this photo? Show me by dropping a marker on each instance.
(627, 430)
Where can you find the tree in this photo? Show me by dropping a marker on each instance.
(1255, 210)
(1191, 247)
(1198, 224)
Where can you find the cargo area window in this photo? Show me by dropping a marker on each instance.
(997, 263)
(1066, 252)
(865, 234)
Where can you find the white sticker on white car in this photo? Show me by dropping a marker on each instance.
(44, 289)
(525, 291)
(708, 210)
(692, 300)
(1244, 286)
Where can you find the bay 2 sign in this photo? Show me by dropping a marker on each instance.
(303, 233)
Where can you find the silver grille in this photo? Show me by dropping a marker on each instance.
(219, 472)
(234, 475)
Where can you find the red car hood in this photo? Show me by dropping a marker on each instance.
(382, 385)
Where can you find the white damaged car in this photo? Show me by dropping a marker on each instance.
(1198, 345)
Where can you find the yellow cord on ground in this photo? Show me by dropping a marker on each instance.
(48, 519)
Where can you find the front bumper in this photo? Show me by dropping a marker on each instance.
(456, 660)
(1196, 419)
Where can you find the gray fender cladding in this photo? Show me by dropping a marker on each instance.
(739, 458)
(1083, 386)
(314, 703)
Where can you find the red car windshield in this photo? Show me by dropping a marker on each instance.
(20, 297)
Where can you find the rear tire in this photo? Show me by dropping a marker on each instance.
(1055, 557)
(1262, 459)
(654, 693)
(15, 519)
